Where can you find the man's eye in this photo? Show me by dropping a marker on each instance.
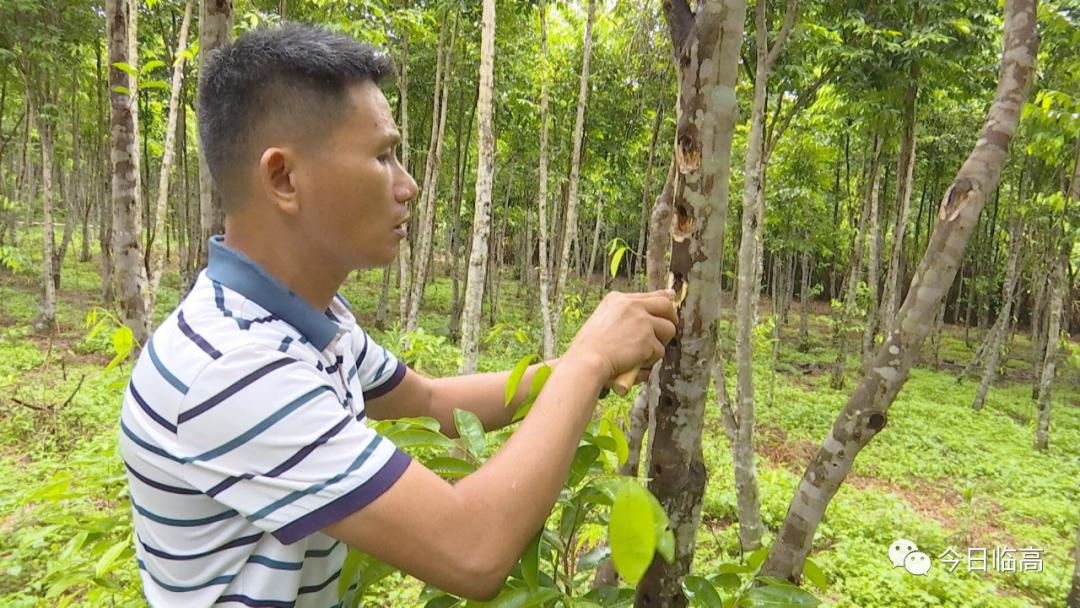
(386, 157)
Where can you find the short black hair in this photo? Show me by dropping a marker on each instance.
(293, 74)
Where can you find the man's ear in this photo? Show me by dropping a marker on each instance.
(276, 179)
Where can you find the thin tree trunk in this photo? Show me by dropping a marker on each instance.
(157, 255)
(905, 171)
(804, 303)
(130, 270)
(215, 28)
(474, 287)
(996, 338)
(873, 265)
(47, 314)
(105, 218)
(550, 342)
(404, 249)
(646, 184)
(1053, 338)
(706, 44)
(865, 413)
(455, 223)
(426, 223)
(570, 218)
(597, 230)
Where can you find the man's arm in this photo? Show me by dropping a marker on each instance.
(482, 394)
(465, 538)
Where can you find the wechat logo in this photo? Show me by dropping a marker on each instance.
(905, 554)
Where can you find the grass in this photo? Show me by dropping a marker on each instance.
(939, 474)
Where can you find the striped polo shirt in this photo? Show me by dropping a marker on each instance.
(243, 433)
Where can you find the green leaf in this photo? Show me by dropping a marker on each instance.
(701, 593)
(616, 259)
(448, 466)
(123, 90)
(778, 597)
(153, 84)
(123, 340)
(583, 460)
(515, 377)
(105, 563)
(815, 575)
(471, 431)
(538, 380)
(757, 557)
(420, 438)
(151, 65)
(349, 571)
(726, 580)
(126, 68)
(631, 532)
(530, 564)
(622, 446)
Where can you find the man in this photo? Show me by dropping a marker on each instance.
(250, 463)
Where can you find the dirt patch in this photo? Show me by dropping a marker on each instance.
(935, 500)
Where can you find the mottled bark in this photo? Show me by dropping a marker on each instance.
(646, 185)
(474, 287)
(865, 413)
(1058, 286)
(905, 174)
(570, 218)
(428, 195)
(46, 320)
(995, 339)
(804, 302)
(157, 252)
(127, 219)
(872, 267)
(706, 45)
(215, 30)
(546, 320)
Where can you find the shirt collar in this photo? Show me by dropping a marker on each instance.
(243, 275)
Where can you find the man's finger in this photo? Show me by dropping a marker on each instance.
(664, 329)
(661, 307)
(659, 293)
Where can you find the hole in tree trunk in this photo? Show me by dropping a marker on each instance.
(876, 422)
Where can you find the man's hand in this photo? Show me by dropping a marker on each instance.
(627, 331)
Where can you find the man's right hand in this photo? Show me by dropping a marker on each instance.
(627, 331)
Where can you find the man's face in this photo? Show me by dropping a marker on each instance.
(353, 190)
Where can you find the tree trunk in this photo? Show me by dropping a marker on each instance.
(905, 171)
(215, 29)
(105, 218)
(570, 218)
(865, 413)
(706, 44)
(597, 230)
(749, 279)
(550, 341)
(157, 255)
(404, 249)
(1073, 601)
(130, 270)
(426, 223)
(996, 337)
(804, 303)
(481, 228)
(47, 314)
(1053, 338)
(646, 184)
(873, 265)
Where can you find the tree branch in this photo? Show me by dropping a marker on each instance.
(781, 37)
(800, 103)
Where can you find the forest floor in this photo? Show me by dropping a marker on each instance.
(939, 474)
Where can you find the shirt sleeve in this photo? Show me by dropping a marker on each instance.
(378, 370)
(267, 436)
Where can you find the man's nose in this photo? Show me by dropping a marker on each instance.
(406, 188)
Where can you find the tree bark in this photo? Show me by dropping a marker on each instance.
(47, 313)
(996, 337)
(105, 217)
(865, 413)
(1058, 287)
(570, 217)
(404, 248)
(215, 29)
(904, 180)
(550, 343)
(804, 302)
(706, 46)
(157, 254)
(474, 287)
(426, 223)
(873, 265)
(646, 185)
(127, 219)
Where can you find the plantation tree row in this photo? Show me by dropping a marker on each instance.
(896, 166)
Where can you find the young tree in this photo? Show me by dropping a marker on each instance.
(741, 421)
(570, 218)
(549, 345)
(474, 286)
(705, 42)
(865, 413)
(157, 250)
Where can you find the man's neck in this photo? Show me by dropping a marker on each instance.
(314, 280)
